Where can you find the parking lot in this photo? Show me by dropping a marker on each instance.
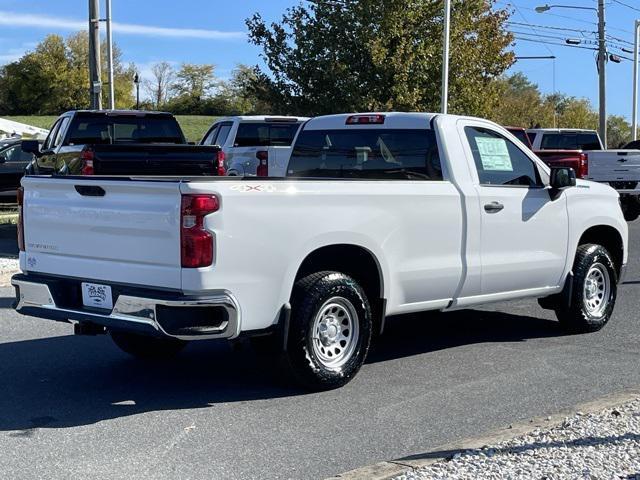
(78, 407)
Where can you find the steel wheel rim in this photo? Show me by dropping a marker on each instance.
(335, 332)
(596, 291)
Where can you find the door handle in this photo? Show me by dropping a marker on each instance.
(493, 207)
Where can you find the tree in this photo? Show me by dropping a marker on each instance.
(360, 55)
(160, 86)
(54, 78)
(238, 95)
(195, 81)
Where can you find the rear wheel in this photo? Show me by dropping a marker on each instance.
(145, 347)
(594, 291)
(330, 331)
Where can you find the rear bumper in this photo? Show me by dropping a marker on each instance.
(171, 315)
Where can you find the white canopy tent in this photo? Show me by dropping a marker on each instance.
(9, 128)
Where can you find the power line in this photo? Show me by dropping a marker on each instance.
(549, 27)
(534, 40)
(626, 5)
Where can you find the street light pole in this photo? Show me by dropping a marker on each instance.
(634, 116)
(445, 56)
(112, 100)
(95, 86)
(136, 80)
(602, 71)
(602, 60)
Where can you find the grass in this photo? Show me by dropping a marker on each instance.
(193, 126)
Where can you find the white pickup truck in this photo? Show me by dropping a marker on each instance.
(382, 214)
(583, 150)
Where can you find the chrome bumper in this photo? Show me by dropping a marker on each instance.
(129, 312)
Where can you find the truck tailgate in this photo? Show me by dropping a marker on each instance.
(113, 230)
(614, 166)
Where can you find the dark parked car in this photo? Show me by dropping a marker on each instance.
(115, 142)
(13, 161)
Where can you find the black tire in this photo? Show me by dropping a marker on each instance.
(585, 315)
(146, 347)
(344, 303)
(630, 214)
(630, 208)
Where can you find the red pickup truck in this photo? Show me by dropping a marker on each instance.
(576, 159)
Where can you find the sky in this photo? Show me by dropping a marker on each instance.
(214, 31)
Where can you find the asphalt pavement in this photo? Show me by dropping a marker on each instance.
(76, 407)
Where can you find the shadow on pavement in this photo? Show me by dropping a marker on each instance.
(426, 332)
(68, 381)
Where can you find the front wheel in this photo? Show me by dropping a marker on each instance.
(330, 331)
(594, 291)
(147, 348)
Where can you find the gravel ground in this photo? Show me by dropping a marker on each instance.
(603, 445)
(8, 266)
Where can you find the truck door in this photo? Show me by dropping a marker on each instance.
(524, 233)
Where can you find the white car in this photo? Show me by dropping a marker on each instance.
(255, 145)
(381, 214)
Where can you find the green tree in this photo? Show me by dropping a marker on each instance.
(618, 131)
(54, 78)
(239, 94)
(359, 55)
(193, 90)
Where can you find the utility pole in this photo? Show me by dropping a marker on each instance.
(445, 56)
(112, 99)
(602, 71)
(634, 116)
(95, 86)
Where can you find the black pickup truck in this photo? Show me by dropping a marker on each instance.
(116, 142)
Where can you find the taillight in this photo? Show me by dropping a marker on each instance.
(87, 158)
(263, 163)
(365, 120)
(583, 166)
(221, 170)
(21, 219)
(196, 242)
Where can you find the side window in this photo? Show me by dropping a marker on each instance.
(11, 154)
(252, 135)
(52, 135)
(500, 162)
(223, 134)
(211, 136)
(62, 130)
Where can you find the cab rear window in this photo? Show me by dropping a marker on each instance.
(266, 134)
(570, 141)
(384, 154)
(106, 129)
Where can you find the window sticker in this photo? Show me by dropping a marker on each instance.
(494, 154)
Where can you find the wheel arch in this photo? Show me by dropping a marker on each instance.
(354, 260)
(610, 238)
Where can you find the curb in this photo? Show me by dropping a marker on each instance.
(393, 468)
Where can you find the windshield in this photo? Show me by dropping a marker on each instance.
(366, 153)
(105, 129)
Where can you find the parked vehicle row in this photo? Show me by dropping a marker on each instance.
(583, 151)
(379, 214)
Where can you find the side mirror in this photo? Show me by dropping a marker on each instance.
(31, 146)
(562, 177)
